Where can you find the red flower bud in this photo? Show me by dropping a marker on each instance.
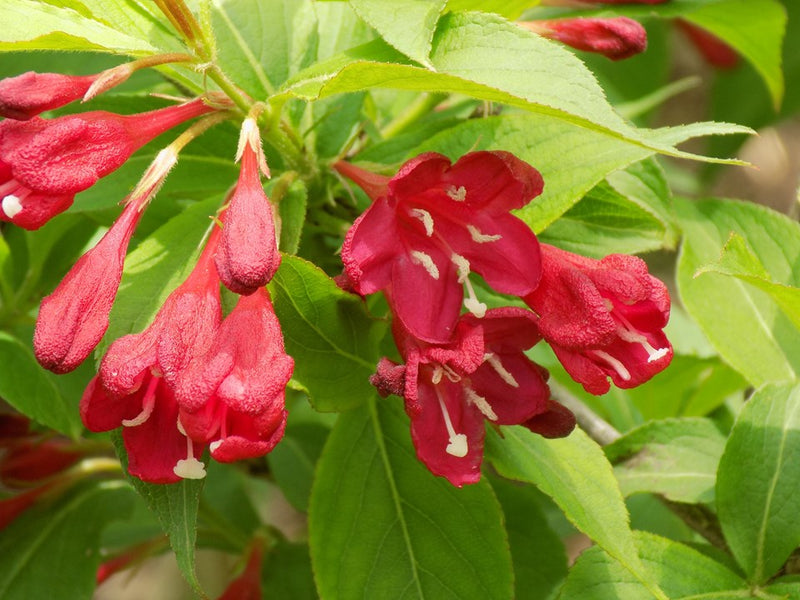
(716, 52)
(31, 460)
(29, 94)
(615, 38)
(247, 256)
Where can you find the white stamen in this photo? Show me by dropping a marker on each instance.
(494, 361)
(426, 261)
(448, 372)
(11, 206)
(425, 217)
(479, 237)
(148, 404)
(457, 444)
(459, 194)
(630, 334)
(614, 364)
(481, 403)
(189, 467)
(214, 445)
(471, 302)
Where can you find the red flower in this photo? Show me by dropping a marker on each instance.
(450, 389)
(133, 387)
(44, 163)
(29, 94)
(603, 318)
(248, 256)
(616, 38)
(73, 319)
(247, 586)
(716, 52)
(233, 397)
(431, 225)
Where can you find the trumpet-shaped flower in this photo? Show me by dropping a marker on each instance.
(433, 224)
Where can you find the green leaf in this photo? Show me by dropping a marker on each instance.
(511, 9)
(539, 76)
(293, 460)
(681, 571)
(540, 561)
(53, 549)
(676, 458)
(287, 572)
(32, 25)
(574, 472)
(175, 505)
(27, 387)
(292, 208)
(755, 28)
(738, 260)
(261, 43)
(758, 488)
(328, 333)
(407, 25)
(382, 526)
(571, 159)
(156, 267)
(339, 29)
(745, 325)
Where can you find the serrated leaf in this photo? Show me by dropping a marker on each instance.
(539, 76)
(328, 333)
(54, 549)
(676, 458)
(738, 260)
(27, 387)
(574, 472)
(31, 25)
(407, 25)
(382, 526)
(175, 506)
(745, 325)
(681, 571)
(755, 29)
(757, 485)
(261, 43)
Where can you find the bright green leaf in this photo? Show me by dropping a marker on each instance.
(328, 333)
(27, 387)
(758, 488)
(287, 572)
(407, 25)
(53, 550)
(745, 326)
(292, 208)
(511, 9)
(293, 460)
(676, 458)
(382, 526)
(574, 472)
(681, 571)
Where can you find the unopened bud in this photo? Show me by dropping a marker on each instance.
(615, 38)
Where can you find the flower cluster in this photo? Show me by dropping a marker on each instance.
(192, 379)
(428, 229)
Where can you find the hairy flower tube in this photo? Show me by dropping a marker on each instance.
(31, 93)
(603, 318)
(451, 389)
(133, 387)
(45, 162)
(433, 224)
(615, 38)
(233, 397)
(248, 256)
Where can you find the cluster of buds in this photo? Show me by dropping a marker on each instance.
(428, 229)
(192, 379)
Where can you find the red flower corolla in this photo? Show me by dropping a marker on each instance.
(716, 52)
(615, 38)
(233, 397)
(134, 386)
(45, 162)
(247, 256)
(603, 318)
(73, 319)
(247, 586)
(431, 225)
(31, 93)
(449, 390)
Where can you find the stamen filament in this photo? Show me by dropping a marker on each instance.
(480, 402)
(505, 375)
(614, 364)
(630, 334)
(457, 445)
(471, 302)
(148, 403)
(425, 217)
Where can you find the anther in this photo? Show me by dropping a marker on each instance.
(505, 375)
(189, 467)
(459, 194)
(480, 402)
(421, 258)
(11, 206)
(480, 237)
(471, 302)
(425, 217)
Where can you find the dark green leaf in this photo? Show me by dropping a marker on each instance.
(293, 461)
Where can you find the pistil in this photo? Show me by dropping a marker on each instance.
(457, 445)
